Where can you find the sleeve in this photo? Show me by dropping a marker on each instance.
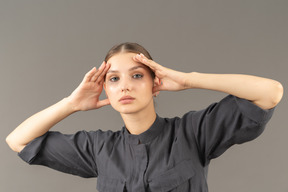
(231, 121)
(73, 154)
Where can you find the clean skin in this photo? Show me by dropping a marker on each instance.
(130, 89)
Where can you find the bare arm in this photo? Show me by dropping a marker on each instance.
(38, 124)
(266, 93)
(84, 97)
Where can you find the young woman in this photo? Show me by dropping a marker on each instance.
(149, 153)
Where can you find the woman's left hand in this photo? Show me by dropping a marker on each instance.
(168, 79)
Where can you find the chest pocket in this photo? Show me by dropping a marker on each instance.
(105, 184)
(173, 178)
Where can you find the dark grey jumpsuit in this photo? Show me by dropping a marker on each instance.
(172, 155)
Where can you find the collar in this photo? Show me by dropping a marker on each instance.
(147, 136)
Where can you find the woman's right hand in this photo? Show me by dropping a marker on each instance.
(86, 95)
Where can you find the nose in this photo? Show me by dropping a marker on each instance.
(124, 89)
(125, 85)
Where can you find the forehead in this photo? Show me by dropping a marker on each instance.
(123, 61)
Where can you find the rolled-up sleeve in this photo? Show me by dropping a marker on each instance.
(231, 121)
(73, 154)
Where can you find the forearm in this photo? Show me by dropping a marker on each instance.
(38, 124)
(266, 93)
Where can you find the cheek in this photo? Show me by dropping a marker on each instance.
(111, 95)
(110, 91)
(145, 87)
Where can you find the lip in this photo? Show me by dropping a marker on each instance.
(126, 99)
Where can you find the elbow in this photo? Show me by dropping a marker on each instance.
(15, 147)
(271, 96)
(279, 90)
(10, 143)
(276, 94)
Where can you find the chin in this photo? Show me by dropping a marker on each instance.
(125, 109)
(128, 111)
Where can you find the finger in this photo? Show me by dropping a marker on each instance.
(100, 82)
(98, 72)
(157, 89)
(103, 74)
(89, 75)
(103, 103)
(144, 60)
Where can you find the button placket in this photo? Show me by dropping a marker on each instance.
(140, 164)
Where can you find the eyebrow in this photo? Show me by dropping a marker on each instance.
(131, 69)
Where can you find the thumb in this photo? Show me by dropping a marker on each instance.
(157, 88)
(103, 103)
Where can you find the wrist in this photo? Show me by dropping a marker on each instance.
(70, 105)
(192, 79)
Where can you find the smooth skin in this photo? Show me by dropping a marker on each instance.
(127, 77)
(127, 74)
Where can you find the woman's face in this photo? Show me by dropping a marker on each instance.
(128, 84)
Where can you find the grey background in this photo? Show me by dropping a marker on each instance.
(46, 47)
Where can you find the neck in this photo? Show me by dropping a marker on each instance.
(140, 122)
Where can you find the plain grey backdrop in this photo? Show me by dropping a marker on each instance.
(46, 47)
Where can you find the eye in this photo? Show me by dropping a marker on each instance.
(114, 79)
(137, 76)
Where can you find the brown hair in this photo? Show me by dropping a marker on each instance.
(129, 48)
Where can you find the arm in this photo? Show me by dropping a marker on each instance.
(265, 93)
(84, 97)
(38, 124)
